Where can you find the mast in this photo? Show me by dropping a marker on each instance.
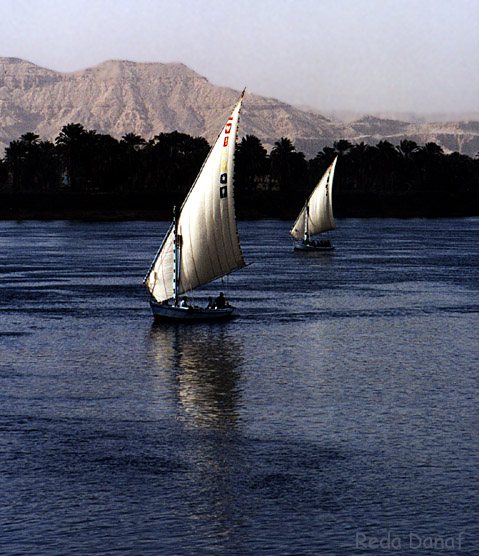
(306, 216)
(176, 254)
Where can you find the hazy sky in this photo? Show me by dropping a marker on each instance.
(366, 55)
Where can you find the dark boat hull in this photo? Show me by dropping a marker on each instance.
(163, 313)
(318, 246)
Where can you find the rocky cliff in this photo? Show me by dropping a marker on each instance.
(119, 97)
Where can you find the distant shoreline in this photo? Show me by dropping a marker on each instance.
(153, 207)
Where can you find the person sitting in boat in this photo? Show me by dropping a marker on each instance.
(184, 302)
(210, 305)
(220, 301)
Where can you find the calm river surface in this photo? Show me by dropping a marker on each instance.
(338, 414)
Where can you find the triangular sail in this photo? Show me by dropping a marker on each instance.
(207, 230)
(319, 208)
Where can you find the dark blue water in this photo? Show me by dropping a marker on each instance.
(339, 414)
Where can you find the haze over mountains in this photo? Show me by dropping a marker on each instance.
(120, 97)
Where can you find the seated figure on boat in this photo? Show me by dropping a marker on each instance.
(211, 304)
(184, 302)
(220, 301)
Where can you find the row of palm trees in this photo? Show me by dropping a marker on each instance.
(87, 161)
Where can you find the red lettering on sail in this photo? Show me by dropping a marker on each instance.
(224, 160)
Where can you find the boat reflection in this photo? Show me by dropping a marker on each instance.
(203, 362)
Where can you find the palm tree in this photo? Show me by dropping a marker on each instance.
(429, 161)
(107, 160)
(407, 150)
(433, 149)
(387, 165)
(326, 156)
(288, 167)
(24, 159)
(48, 169)
(70, 134)
(407, 147)
(30, 138)
(133, 147)
(251, 163)
(15, 156)
(342, 146)
(358, 167)
(71, 145)
(133, 141)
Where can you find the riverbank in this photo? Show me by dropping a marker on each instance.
(260, 205)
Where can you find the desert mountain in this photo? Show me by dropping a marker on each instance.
(120, 97)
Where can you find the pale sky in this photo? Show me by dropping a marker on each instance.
(362, 55)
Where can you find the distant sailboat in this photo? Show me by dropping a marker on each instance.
(202, 242)
(316, 216)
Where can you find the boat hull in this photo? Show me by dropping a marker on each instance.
(164, 313)
(320, 246)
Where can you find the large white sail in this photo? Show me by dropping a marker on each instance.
(206, 226)
(319, 208)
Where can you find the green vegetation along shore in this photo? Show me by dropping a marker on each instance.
(89, 176)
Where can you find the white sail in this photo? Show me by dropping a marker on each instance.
(206, 226)
(319, 208)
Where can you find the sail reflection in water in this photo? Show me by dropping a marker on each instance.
(204, 365)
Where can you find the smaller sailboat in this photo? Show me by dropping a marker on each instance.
(202, 242)
(316, 216)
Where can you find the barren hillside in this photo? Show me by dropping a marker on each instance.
(119, 97)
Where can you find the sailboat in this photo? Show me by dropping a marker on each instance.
(202, 243)
(316, 216)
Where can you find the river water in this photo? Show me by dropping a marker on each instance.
(338, 414)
